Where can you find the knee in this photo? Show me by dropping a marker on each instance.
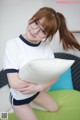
(54, 108)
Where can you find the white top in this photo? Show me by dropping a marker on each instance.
(20, 51)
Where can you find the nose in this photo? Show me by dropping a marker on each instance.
(36, 31)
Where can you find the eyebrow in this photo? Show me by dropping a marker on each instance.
(40, 25)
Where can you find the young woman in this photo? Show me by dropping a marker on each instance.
(29, 46)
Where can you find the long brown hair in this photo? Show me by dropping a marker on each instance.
(53, 22)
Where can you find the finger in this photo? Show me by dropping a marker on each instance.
(21, 89)
(27, 92)
(24, 90)
(25, 85)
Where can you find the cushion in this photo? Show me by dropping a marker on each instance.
(44, 70)
(64, 81)
(69, 101)
(3, 78)
(5, 105)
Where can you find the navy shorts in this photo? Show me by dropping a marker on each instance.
(13, 101)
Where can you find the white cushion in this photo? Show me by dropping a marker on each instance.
(5, 105)
(44, 70)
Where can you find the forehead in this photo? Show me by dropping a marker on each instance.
(42, 21)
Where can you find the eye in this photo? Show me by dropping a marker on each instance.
(44, 32)
(36, 22)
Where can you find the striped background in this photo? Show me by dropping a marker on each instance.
(75, 69)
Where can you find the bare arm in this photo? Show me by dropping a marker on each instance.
(15, 82)
(38, 87)
(26, 87)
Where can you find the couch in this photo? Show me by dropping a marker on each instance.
(67, 97)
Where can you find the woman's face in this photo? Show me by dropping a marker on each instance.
(36, 31)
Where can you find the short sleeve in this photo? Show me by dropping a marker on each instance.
(10, 60)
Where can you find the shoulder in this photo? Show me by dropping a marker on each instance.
(12, 43)
(45, 45)
(49, 50)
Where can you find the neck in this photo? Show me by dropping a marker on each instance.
(31, 41)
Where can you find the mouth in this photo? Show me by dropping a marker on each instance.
(32, 34)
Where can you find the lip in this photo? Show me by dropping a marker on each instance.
(32, 34)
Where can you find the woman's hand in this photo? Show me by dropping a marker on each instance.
(37, 87)
(32, 88)
(26, 87)
(15, 82)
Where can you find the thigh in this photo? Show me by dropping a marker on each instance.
(24, 112)
(46, 101)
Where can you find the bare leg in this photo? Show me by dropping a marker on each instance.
(24, 112)
(46, 101)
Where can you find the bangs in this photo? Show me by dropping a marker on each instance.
(49, 25)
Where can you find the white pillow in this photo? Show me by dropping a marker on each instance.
(5, 105)
(44, 70)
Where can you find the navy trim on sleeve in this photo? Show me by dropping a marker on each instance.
(11, 70)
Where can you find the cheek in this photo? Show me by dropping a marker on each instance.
(29, 27)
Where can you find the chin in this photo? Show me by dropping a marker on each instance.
(32, 38)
